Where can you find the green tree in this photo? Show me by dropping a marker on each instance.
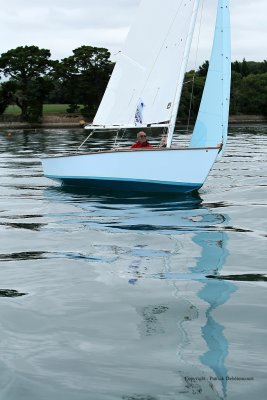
(253, 94)
(244, 68)
(203, 69)
(28, 67)
(235, 92)
(84, 77)
(191, 96)
(187, 97)
(236, 67)
(6, 95)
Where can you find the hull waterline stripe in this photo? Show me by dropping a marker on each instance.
(92, 178)
(131, 185)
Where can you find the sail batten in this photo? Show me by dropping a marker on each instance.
(147, 68)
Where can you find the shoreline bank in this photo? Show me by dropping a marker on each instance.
(61, 122)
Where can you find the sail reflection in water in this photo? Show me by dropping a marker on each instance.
(214, 292)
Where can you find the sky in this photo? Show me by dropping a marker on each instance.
(64, 25)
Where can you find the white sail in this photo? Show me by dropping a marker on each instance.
(150, 69)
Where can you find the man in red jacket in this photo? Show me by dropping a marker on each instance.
(141, 141)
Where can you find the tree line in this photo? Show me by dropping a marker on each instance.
(33, 79)
(248, 89)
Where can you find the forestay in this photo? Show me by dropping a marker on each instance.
(149, 72)
(212, 121)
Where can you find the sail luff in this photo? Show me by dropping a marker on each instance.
(212, 120)
(179, 85)
(227, 74)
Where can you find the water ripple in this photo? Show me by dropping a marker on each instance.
(124, 287)
(11, 293)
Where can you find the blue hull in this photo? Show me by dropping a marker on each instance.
(133, 186)
(160, 171)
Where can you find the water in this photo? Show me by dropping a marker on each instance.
(106, 296)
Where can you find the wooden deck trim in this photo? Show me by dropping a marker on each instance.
(122, 150)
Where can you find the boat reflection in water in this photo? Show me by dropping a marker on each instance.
(185, 320)
(177, 216)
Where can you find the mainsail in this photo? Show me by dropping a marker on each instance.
(212, 121)
(150, 69)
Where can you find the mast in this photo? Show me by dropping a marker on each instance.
(181, 75)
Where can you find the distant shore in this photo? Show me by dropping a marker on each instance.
(66, 121)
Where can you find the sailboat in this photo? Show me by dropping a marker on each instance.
(144, 93)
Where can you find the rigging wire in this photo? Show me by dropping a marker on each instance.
(81, 145)
(193, 79)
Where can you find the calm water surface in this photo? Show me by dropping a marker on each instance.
(131, 297)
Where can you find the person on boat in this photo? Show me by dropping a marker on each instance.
(141, 141)
(163, 142)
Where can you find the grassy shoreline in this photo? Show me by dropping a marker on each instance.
(55, 116)
(9, 126)
(47, 108)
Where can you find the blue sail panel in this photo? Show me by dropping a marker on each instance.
(212, 121)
